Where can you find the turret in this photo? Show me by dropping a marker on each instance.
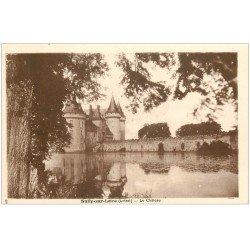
(113, 116)
(76, 117)
(122, 122)
(96, 117)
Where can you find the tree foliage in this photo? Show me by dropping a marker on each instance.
(204, 128)
(154, 131)
(190, 76)
(136, 80)
(46, 81)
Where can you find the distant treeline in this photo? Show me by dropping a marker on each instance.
(203, 128)
(157, 130)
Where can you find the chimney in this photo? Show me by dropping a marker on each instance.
(90, 111)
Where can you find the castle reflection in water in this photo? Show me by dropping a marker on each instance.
(116, 175)
(98, 177)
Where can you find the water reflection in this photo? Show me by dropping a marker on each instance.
(117, 175)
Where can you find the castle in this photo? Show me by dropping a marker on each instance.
(91, 128)
(104, 130)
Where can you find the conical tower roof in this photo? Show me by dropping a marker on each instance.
(112, 107)
(72, 107)
(120, 109)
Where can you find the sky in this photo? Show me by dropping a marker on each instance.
(175, 112)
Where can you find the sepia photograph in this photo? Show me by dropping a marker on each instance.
(129, 124)
(124, 123)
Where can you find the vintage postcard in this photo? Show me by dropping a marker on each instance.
(124, 124)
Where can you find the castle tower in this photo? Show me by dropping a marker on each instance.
(97, 119)
(76, 117)
(112, 117)
(122, 122)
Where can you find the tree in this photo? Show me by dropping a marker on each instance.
(190, 71)
(37, 87)
(155, 130)
(204, 128)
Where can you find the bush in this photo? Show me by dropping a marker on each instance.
(216, 147)
(122, 149)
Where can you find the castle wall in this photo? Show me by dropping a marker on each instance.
(169, 144)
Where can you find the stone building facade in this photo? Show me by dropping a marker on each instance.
(91, 128)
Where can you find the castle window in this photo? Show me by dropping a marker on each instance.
(182, 146)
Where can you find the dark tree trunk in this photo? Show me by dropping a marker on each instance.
(19, 140)
(18, 157)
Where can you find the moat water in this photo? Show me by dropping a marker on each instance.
(144, 174)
